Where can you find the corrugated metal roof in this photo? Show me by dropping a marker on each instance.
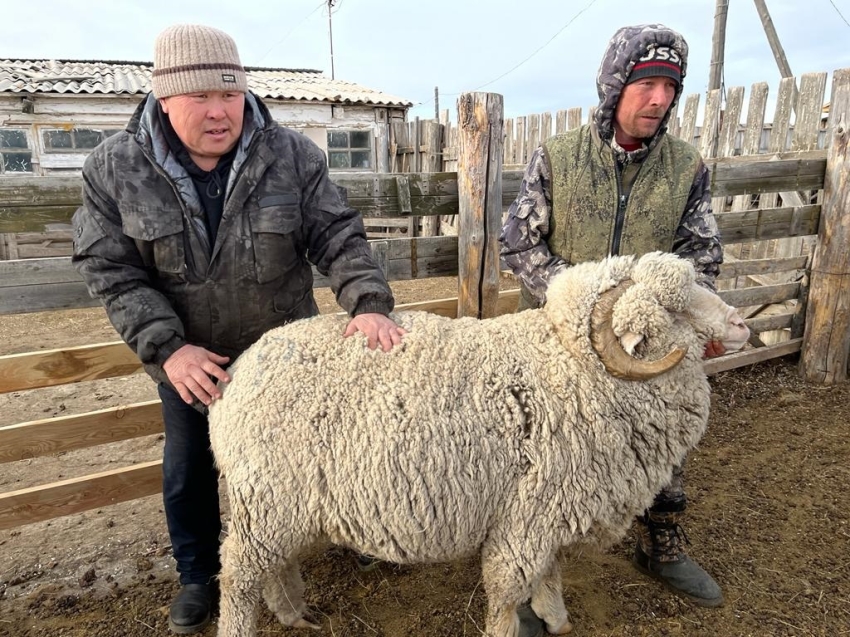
(131, 78)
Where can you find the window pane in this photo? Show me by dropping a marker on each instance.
(339, 160)
(360, 139)
(361, 159)
(86, 138)
(17, 162)
(337, 139)
(58, 139)
(13, 139)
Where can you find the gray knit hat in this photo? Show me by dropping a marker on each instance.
(189, 58)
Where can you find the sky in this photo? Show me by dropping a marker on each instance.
(540, 56)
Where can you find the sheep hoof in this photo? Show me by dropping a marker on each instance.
(563, 629)
(305, 622)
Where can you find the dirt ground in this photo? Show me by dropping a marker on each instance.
(769, 517)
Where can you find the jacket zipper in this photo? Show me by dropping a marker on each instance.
(619, 219)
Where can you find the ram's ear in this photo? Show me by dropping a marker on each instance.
(630, 341)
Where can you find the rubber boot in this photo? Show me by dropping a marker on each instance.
(659, 554)
(530, 625)
(191, 609)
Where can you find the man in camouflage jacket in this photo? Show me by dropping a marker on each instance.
(197, 230)
(621, 185)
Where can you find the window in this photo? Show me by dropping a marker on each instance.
(350, 149)
(75, 139)
(14, 151)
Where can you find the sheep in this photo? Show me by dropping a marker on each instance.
(509, 437)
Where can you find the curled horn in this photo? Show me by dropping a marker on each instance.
(615, 359)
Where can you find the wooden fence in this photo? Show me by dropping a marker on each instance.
(821, 327)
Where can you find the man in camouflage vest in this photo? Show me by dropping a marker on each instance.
(198, 226)
(621, 185)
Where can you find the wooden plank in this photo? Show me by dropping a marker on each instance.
(479, 201)
(710, 131)
(574, 117)
(17, 273)
(506, 304)
(532, 134)
(70, 365)
(66, 433)
(761, 295)
(49, 296)
(742, 175)
(730, 122)
(689, 118)
(827, 329)
(773, 223)
(509, 142)
(76, 495)
(751, 357)
(519, 143)
(760, 266)
(755, 119)
(809, 111)
(561, 122)
(761, 324)
(545, 127)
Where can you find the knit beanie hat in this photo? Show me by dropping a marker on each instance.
(189, 58)
(658, 60)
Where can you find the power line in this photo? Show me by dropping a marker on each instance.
(839, 13)
(514, 68)
(573, 19)
(291, 31)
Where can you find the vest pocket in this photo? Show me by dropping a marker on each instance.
(159, 238)
(275, 232)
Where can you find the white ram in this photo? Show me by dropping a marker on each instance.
(509, 437)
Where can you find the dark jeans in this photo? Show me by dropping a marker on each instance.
(190, 490)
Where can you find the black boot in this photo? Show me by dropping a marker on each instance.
(660, 555)
(191, 609)
(530, 625)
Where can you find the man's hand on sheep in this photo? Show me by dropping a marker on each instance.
(379, 329)
(190, 369)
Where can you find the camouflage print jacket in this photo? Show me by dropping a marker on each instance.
(524, 245)
(142, 245)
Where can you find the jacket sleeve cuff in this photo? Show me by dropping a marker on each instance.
(373, 305)
(164, 351)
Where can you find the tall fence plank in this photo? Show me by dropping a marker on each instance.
(479, 202)
(827, 332)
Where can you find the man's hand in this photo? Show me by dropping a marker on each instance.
(189, 370)
(713, 349)
(379, 329)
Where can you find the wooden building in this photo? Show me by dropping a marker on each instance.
(54, 112)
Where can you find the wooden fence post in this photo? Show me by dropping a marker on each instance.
(479, 184)
(826, 342)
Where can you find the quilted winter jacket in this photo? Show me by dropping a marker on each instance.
(143, 248)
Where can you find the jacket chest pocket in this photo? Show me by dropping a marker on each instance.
(276, 236)
(159, 238)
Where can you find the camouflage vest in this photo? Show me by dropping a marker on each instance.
(585, 196)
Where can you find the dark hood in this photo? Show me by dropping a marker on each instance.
(627, 46)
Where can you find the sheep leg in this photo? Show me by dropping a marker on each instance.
(284, 595)
(240, 580)
(547, 601)
(506, 589)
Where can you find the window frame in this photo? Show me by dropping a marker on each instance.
(349, 149)
(12, 150)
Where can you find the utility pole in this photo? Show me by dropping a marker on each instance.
(775, 45)
(331, 34)
(437, 103)
(718, 45)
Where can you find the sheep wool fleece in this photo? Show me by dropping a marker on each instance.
(504, 436)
